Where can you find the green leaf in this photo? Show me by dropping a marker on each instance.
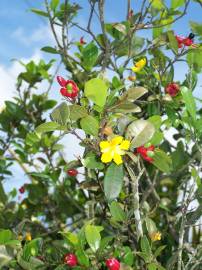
(93, 237)
(140, 132)
(128, 256)
(32, 138)
(104, 243)
(39, 12)
(113, 181)
(151, 226)
(157, 138)
(90, 125)
(134, 93)
(77, 112)
(127, 107)
(158, 4)
(162, 161)
(152, 266)
(91, 162)
(159, 250)
(196, 28)
(71, 238)
(5, 258)
(5, 236)
(31, 249)
(47, 127)
(49, 49)
(194, 59)
(61, 114)
(96, 91)
(54, 4)
(90, 55)
(82, 258)
(156, 121)
(172, 41)
(117, 212)
(189, 101)
(145, 246)
(177, 3)
(3, 197)
(120, 27)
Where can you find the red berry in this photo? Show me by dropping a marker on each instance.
(69, 88)
(70, 259)
(113, 264)
(172, 89)
(72, 172)
(22, 190)
(82, 41)
(143, 152)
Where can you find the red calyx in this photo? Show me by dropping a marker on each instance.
(113, 264)
(22, 190)
(180, 41)
(143, 152)
(72, 172)
(69, 88)
(188, 42)
(82, 41)
(172, 89)
(70, 259)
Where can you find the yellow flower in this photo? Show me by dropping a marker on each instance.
(139, 65)
(114, 149)
(28, 236)
(155, 236)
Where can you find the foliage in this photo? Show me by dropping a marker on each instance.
(137, 212)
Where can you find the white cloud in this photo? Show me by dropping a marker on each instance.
(8, 77)
(41, 34)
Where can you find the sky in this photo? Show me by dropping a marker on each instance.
(23, 34)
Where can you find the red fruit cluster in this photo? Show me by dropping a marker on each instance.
(172, 89)
(22, 189)
(143, 151)
(185, 41)
(113, 264)
(69, 88)
(70, 259)
(72, 172)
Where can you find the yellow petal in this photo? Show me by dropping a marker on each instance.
(116, 140)
(106, 157)
(135, 69)
(117, 159)
(104, 144)
(125, 145)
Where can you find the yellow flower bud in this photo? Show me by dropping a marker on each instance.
(28, 236)
(20, 237)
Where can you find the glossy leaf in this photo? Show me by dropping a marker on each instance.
(113, 181)
(90, 125)
(96, 91)
(140, 132)
(93, 237)
(189, 101)
(117, 212)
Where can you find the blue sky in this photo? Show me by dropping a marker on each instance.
(19, 20)
(24, 33)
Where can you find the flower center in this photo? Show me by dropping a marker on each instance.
(69, 88)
